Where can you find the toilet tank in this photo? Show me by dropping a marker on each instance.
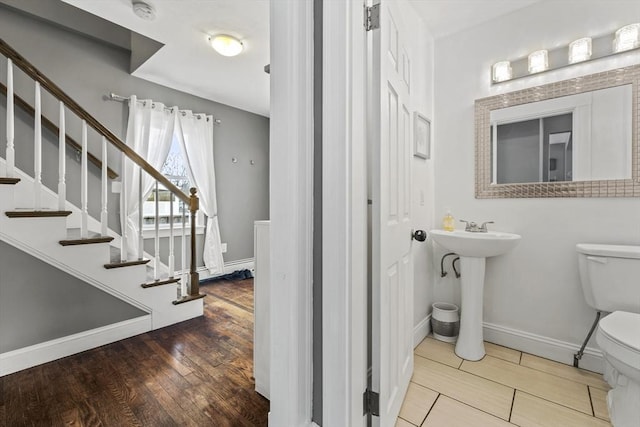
(610, 276)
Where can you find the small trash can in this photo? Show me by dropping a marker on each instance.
(445, 321)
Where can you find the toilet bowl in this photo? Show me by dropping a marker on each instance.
(618, 336)
(609, 276)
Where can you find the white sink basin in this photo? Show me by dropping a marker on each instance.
(480, 245)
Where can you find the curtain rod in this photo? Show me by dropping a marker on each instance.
(119, 98)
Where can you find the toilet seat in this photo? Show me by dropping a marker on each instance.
(620, 337)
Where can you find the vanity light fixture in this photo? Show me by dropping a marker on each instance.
(627, 37)
(226, 45)
(538, 61)
(502, 71)
(580, 50)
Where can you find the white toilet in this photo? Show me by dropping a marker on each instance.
(610, 276)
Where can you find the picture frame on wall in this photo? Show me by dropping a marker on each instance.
(421, 136)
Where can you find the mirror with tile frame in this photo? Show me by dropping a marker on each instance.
(488, 186)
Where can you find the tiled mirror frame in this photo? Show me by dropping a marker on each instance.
(603, 188)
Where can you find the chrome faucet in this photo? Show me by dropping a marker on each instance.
(474, 228)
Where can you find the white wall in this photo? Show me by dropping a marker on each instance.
(422, 170)
(535, 289)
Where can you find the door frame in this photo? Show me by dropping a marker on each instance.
(291, 213)
(344, 258)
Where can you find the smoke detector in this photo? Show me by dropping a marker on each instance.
(144, 10)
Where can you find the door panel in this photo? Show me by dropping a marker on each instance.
(389, 127)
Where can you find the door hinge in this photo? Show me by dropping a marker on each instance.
(371, 401)
(372, 17)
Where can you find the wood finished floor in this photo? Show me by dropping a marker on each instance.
(506, 388)
(195, 373)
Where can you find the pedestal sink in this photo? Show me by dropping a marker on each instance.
(473, 249)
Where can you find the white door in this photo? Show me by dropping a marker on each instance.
(389, 124)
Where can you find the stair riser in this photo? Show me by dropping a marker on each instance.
(97, 253)
(162, 317)
(35, 231)
(6, 198)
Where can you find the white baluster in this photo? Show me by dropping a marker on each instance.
(84, 192)
(185, 268)
(140, 215)
(10, 122)
(123, 211)
(172, 260)
(104, 215)
(37, 152)
(62, 161)
(156, 262)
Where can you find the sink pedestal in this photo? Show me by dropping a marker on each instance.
(473, 248)
(470, 344)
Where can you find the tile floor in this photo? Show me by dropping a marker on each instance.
(505, 388)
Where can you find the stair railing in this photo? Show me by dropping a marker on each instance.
(188, 289)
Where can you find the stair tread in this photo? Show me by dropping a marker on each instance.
(188, 298)
(73, 238)
(161, 281)
(120, 263)
(30, 213)
(9, 181)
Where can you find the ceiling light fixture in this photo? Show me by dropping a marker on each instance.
(226, 45)
(144, 10)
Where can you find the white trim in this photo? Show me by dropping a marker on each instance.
(17, 360)
(291, 212)
(549, 348)
(344, 216)
(421, 330)
(239, 264)
(229, 267)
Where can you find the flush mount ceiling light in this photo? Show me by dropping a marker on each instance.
(538, 61)
(226, 45)
(502, 71)
(580, 50)
(627, 38)
(144, 10)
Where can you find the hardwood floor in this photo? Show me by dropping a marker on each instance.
(196, 373)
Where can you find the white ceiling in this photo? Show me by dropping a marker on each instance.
(446, 17)
(187, 62)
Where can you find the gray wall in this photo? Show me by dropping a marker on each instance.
(52, 304)
(88, 70)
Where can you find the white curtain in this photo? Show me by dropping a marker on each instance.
(150, 131)
(195, 134)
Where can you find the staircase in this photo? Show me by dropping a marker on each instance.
(44, 224)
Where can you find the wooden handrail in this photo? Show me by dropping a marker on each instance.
(83, 114)
(26, 107)
(190, 200)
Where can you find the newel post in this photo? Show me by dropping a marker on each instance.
(194, 277)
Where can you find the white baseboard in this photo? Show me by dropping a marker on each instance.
(421, 330)
(229, 267)
(549, 348)
(17, 360)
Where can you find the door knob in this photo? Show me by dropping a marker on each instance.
(419, 235)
